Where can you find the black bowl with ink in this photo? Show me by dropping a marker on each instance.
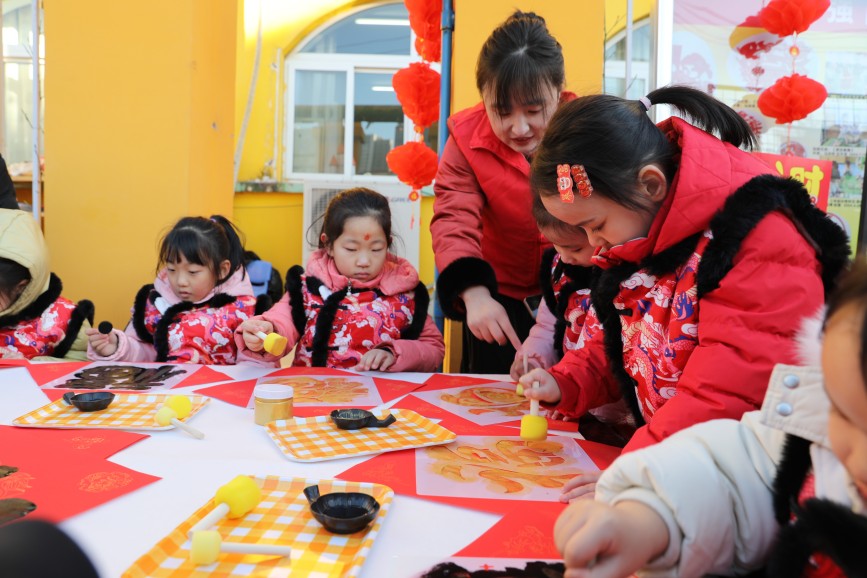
(90, 401)
(359, 418)
(342, 512)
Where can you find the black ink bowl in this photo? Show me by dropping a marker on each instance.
(342, 512)
(359, 418)
(90, 401)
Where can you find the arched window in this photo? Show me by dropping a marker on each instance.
(341, 114)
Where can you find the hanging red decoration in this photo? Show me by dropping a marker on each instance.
(787, 17)
(425, 17)
(792, 98)
(749, 39)
(414, 164)
(418, 89)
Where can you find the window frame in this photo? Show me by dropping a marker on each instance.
(351, 65)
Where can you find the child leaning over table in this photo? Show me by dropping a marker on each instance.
(785, 487)
(358, 306)
(35, 320)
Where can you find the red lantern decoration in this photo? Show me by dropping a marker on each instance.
(414, 164)
(749, 39)
(425, 20)
(792, 98)
(418, 89)
(787, 17)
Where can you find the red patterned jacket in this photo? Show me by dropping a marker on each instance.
(46, 327)
(335, 322)
(696, 315)
(163, 328)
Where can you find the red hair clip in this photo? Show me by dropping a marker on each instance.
(564, 184)
(582, 181)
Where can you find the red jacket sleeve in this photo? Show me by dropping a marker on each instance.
(584, 376)
(746, 326)
(456, 226)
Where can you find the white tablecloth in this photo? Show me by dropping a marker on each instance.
(415, 535)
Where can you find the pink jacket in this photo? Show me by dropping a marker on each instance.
(378, 313)
(201, 333)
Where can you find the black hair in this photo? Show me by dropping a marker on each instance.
(355, 202)
(547, 221)
(204, 241)
(520, 60)
(11, 274)
(852, 290)
(614, 138)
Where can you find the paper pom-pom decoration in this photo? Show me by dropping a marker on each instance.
(425, 19)
(414, 164)
(787, 17)
(792, 98)
(417, 87)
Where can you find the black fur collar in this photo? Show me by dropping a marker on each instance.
(750, 204)
(296, 297)
(38, 306)
(824, 527)
(602, 295)
(327, 313)
(419, 313)
(160, 336)
(820, 526)
(546, 278)
(324, 327)
(84, 311)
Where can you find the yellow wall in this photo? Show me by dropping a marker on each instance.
(139, 130)
(285, 23)
(144, 104)
(578, 26)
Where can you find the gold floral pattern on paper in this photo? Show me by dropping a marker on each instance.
(507, 467)
(85, 442)
(485, 399)
(19, 483)
(104, 481)
(327, 390)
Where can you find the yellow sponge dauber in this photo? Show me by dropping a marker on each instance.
(534, 427)
(274, 343)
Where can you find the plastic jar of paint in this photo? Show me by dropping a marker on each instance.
(272, 401)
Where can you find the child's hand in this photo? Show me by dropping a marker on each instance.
(600, 540)
(581, 486)
(376, 360)
(560, 416)
(517, 370)
(548, 390)
(248, 330)
(104, 345)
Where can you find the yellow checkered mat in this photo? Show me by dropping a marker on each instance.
(282, 517)
(134, 411)
(315, 439)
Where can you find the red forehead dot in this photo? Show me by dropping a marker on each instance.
(367, 237)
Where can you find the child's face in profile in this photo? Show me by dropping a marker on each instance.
(574, 247)
(361, 249)
(841, 366)
(192, 282)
